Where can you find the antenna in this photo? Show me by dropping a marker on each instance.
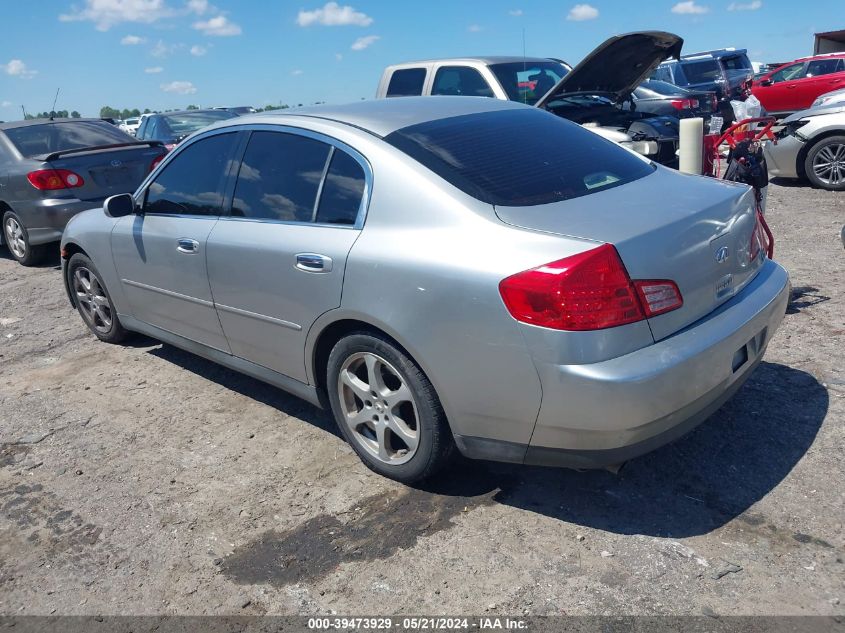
(53, 109)
(524, 65)
(24, 112)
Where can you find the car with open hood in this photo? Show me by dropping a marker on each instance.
(595, 89)
(461, 274)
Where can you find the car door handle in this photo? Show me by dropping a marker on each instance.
(187, 245)
(313, 263)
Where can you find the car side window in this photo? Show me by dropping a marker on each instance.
(407, 82)
(793, 71)
(280, 177)
(823, 67)
(193, 182)
(139, 133)
(460, 80)
(343, 190)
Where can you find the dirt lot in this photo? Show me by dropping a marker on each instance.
(144, 480)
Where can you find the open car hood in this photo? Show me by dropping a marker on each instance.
(618, 65)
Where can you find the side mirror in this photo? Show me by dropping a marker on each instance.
(119, 206)
(766, 82)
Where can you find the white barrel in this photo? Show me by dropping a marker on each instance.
(691, 146)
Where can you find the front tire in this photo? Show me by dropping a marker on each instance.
(92, 300)
(17, 240)
(825, 164)
(387, 409)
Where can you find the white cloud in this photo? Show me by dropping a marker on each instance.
(179, 87)
(6, 104)
(475, 28)
(162, 49)
(363, 42)
(515, 12)
(107, 13)
(16, 68)
(689, 7)
(198, 51)
(751, 6)
(581, 12)
(332, 14)
(296, 73)
(218, 26)
(198, 6)
(154, 70)
(132, 40)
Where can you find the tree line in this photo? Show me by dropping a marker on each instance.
(107, 112)
(54, 114)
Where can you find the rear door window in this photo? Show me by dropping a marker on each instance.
(701, 72)
(460, 80)
(519, 157)
(824, 67)
(791, 72)
(192, 183)
(407, 82)
(343, 191)
(280, 176)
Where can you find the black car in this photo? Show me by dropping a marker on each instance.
(172, 127)
(660, 97)
(51, 169)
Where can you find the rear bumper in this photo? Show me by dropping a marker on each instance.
(45, 219)
(782, 159)
(603, 413)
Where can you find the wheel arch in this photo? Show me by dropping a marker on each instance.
(69, 250)
(3, 208)
(332, 327)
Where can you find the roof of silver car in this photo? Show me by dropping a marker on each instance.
(383, 116)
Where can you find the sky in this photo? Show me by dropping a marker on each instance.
(164, 54)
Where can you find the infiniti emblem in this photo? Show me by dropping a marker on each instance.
(116, 163)
(722, 255)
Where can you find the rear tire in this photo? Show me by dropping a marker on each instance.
(825, 164)
(17, 241)
(92, 300)
(387, 409)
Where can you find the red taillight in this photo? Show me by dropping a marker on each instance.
(156, 161)
(658, 296)
(682, 104)
(51, 179)
(588, 291)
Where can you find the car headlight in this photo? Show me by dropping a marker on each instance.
(646, 148)
(792, 129)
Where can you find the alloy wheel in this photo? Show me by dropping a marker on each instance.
(92, 300)
(829, 164)
(15, 237)
(378, 408)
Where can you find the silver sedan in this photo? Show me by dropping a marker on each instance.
(455, 273)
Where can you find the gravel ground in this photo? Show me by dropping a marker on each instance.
(144, 480)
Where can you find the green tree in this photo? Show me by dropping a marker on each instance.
(75, 115)
(192, 107)
(107, 112)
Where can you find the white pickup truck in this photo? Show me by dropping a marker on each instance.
(596, 93)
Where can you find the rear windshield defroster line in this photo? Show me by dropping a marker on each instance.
(519, 157)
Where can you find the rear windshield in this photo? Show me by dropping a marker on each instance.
(519, 157)
(39, 139)
(662, 87)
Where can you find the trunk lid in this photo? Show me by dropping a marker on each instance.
(692, 230)
(107, 172)
(618, 65)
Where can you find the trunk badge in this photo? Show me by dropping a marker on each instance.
(722, 255)
(116, 163)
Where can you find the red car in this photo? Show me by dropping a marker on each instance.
(794, 86)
